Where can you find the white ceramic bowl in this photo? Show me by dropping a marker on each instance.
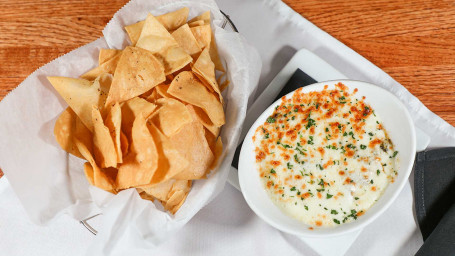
(400, 128)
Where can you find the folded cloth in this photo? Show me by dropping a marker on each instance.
(434, 182)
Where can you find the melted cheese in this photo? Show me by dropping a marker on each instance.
(324, 157)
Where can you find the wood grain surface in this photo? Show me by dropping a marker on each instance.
(413, 41)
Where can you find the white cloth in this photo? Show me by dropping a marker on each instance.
(227, 226)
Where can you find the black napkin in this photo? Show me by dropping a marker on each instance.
(297, 80)
(434, 193)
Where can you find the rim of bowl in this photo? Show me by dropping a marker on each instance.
(334, 232)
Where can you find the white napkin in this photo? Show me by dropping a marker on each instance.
(227, 226)
(49, 182)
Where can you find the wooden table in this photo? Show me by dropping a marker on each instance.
(413, 41)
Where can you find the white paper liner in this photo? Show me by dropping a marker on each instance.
(49, 182)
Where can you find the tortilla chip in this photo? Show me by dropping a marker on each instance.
(205, 70)
(137, 72)
(187, 88)
(141, 163)
(100, 179)
(196, 23)
(201, 116)
(175, 59)
(205, 17)
(224, 85)
(173, 20)
(177, 195)
(156, 39)
(186, 40)
(124, 144)
(171, 116)
(88, 170)
(144, 195)
(214, 56)
(175, 208)
(191, 143)
(131, 109)
(114, 124)
(170, 21)
(211, 139)
(64, 131)
(107, 67)
(111, 173)
(107, 54)
(162, 91)
(203, 35)
(180, 185)
(83, 135)
(175, 199)
(170, 161)
(134, 31)
(104, 147)
(81, 94)
(159, 191)
(154, 96)
(217, 152)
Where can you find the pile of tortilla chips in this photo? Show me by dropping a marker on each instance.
(149, 116)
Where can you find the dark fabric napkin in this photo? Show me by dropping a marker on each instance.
(434, 195)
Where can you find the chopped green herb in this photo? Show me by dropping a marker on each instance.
(310, 141)
(321, 183)
(289, 165)
(351, 146)
(336, 221)
(293, 189)
(395, 154)
(378, 172)
(306, 207)
(310, 123)
(329, 196)
(271, 120)
(367, 110)
(334, 212)
(370, 133)
(285, 146)
(272, 171)
(363, 146)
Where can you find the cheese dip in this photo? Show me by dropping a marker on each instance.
(324, 157)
